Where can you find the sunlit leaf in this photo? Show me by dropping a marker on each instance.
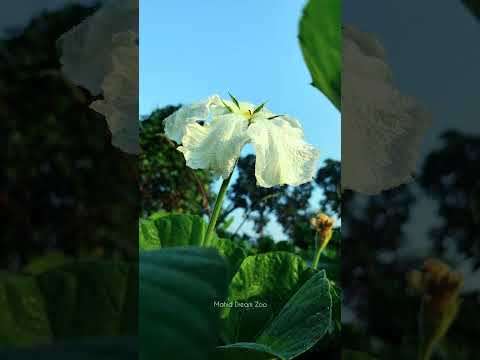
(320, 40)
(301, 323)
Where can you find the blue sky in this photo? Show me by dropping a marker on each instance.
(192, 49)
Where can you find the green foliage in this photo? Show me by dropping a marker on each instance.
(301, 323)
(165, 182)
(43, 263)
(281, 284)
(34, 313)
(174, 230)
(321, 42)
(329, 179)
(270, 278)
(178, 288)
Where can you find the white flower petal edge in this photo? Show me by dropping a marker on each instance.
(87, 47)
(120, 90)
(101, 55)
(382, 129)
(283, 156)
(176, 124)
(215, 146)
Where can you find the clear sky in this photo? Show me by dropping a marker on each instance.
(192, 49)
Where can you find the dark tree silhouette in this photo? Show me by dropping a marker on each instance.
(258, 203)
(62, 184)
(450, 175)
(329, 179)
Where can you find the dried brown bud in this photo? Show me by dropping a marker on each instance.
(439, 284)
(323, 224)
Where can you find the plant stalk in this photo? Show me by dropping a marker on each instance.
(319, 248)
(217, 209)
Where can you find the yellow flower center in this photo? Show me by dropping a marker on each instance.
(247, 114)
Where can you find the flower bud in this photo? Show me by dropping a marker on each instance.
(323, 225)
(440, 287)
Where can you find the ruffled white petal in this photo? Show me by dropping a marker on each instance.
(382, 129)
(176, 124)
(283, 156)
(120, 90)
(215, 146)
(87, 47)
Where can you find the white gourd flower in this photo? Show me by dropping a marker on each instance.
(101, 55)
(282, 154)
(382, 129)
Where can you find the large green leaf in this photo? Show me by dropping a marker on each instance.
(170, 230)
(270, 279)
(178, 291)
(321, 41)
(46, 262)
(148, 238)
(78, 299)
(302, 322)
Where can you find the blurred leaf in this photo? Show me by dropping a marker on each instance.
(321, 40)
(48, 261)
(85, 298)
(178, 288)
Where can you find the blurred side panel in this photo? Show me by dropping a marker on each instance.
(69, 199)
(410, 159)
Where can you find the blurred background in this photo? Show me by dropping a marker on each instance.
(63, 187)
(429, 46)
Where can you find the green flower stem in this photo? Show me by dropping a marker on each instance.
(318, 251)
(217, 209)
